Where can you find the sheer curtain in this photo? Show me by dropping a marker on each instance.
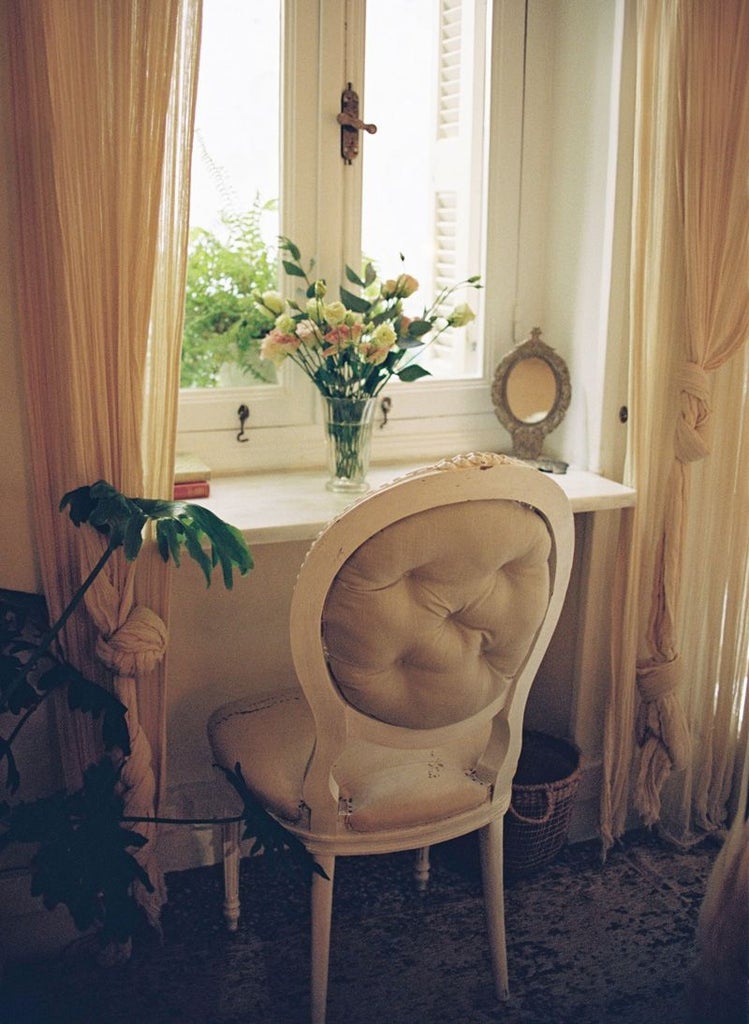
(103, 101)
(680, 631)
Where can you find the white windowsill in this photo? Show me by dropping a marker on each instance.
(271, 508)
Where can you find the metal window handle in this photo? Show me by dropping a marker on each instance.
(351, 124)
(349, 121)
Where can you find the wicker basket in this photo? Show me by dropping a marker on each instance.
(543, 793)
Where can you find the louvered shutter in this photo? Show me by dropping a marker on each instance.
(456, 170)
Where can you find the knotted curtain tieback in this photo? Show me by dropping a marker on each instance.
(137, 646)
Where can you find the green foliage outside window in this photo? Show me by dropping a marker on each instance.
(222, 323)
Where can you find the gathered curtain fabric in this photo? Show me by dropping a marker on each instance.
(679, 639)
(103, 99)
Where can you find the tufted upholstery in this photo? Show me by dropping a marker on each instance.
(430, 620)
(418, 621)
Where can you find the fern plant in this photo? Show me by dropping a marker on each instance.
(222, 322)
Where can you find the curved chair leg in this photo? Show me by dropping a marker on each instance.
(322, 910)
(421, 868)
(490, 839)
(230, 843)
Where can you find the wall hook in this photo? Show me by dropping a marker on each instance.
(385, 406)
(244, 414)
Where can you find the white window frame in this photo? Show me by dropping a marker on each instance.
(320, 211)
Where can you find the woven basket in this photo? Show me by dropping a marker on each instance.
(543, 793)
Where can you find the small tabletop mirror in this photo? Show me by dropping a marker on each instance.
(531, 393)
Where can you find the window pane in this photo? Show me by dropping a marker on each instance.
(235, 191)
(422, 170)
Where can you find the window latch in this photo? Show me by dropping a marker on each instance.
(351, 125)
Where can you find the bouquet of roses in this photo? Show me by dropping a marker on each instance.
(350, 348)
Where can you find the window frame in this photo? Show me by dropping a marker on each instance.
(427, 418)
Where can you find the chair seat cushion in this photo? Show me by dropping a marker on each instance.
(272, 740)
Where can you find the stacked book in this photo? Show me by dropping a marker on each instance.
(192, 478)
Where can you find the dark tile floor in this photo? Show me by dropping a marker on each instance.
(589, 943)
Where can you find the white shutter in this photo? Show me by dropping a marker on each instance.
(457, 164)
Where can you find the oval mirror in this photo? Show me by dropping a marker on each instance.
(531, 393)
(531, 389)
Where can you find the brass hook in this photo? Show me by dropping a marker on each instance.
(385, 406)
(244, 414)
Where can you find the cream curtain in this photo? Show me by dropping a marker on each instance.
(103, 101)
(676, 584)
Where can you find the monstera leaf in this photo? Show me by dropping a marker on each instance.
(179, 525)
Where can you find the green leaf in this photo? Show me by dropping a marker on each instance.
(269, 835)
(354, 302)
(292, 269)
(12, 776)
(353, 277)
(411, 373)
(80, 502)
(370, 275)
(418, 328)
(82, 860)
(55, 676)
(227, 539)
(289, 246)
(175, 518)
(168, 536)
(133, 536)
(22, 697)
(83, 695)
(196, 552)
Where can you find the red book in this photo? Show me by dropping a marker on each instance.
(191, 489)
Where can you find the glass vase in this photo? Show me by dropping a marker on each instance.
(348, 434)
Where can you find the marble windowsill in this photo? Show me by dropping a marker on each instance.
(271, 508)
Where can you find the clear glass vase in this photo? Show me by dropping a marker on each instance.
(348, 433)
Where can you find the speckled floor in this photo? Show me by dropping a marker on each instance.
(588, 944)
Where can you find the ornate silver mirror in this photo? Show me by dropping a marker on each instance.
(531, 393)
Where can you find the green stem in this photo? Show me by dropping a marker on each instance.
(181, 821)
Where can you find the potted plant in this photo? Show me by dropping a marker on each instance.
(83, 855)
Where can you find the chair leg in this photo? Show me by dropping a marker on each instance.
(230, 843)
(421, 868)
(322, 910)
(490, 841)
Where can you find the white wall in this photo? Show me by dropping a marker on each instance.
(574, 175)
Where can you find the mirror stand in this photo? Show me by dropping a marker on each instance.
(531, 393)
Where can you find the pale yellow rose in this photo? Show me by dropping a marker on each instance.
(313, 310)
(335, 313)
(383, 336)
(274, 302)
(388, 288)
(320, 289)
(285, 324)
(461, 315)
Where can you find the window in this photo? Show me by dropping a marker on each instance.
(419, 187)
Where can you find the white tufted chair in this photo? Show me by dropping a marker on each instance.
(418, 622)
